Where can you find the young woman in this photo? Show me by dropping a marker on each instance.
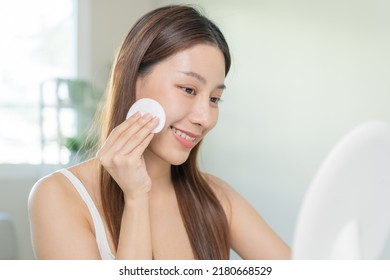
(143, 196)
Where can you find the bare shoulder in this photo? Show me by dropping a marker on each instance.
(60, 222)
(52, 186)
(220, 187)
(251, 236)
(57, 189)
(51, 192)
(224, 192)
(56, 192)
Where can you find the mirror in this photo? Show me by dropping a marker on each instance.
(346, 211)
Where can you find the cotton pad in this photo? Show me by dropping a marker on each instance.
(151, 106)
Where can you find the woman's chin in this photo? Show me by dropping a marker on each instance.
(176, 163)
(170, 156)
(177, 159)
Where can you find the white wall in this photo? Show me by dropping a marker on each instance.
(102, 27)
(304, 73)
(13, 201)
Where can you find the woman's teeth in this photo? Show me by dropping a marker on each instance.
(183, 135)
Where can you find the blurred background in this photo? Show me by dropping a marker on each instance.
(304, 73)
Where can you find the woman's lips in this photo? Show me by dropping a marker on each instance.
(187, 139)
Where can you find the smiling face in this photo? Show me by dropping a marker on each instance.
(189, 86)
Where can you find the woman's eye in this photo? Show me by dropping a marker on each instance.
(188, 90)
(215, 100)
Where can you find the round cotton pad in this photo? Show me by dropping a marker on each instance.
(147, 105)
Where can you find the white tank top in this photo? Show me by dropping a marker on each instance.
(101, 237)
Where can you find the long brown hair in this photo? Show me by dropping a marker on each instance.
(154, 37)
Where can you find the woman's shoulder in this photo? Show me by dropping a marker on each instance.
(56, 188)
(51, 193)
(224, 192)
(228, 196)
(50, 198)
(50, 185)
(220, 187)
(60, 220)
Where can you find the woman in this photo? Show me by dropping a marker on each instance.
(143, 196)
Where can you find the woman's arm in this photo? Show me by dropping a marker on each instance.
(122, 156)
(135, 240)
(251, 237)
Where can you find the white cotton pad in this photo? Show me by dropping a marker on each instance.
(148, 105)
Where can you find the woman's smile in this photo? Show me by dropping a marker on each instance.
(187, 139)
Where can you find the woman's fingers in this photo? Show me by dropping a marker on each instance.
(139, 137)
(127, 137)
(139, 150)
(133, 131)
(116, 133)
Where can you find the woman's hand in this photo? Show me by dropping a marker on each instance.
(122, 154)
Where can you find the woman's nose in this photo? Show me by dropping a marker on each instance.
(201, 113)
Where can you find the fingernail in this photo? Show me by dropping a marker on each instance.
(136, 115)
(147, 116)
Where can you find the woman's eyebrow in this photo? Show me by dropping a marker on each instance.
(200, 78)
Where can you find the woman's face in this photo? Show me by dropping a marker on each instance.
(188, 85)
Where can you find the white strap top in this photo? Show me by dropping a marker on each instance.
(101, 237)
